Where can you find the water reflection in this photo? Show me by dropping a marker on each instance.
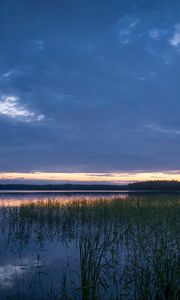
(89, 246)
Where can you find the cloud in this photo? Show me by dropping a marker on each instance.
(175, 39)
(7, 74)
(160, 129)
(126, 29)
(11, 107)
(10, 73)
(157, 34)
(38, 45)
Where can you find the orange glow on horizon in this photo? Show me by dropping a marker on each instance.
(121, 177)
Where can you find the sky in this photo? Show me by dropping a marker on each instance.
(89, 88)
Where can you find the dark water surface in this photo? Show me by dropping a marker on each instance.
(89, 245)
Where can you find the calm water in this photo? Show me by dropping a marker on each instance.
(89, 246)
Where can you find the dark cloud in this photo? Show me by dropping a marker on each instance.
(105, 77)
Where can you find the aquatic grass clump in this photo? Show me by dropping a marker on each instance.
(122, 248)
(154, 264)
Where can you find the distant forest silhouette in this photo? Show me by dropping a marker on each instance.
(147, 185)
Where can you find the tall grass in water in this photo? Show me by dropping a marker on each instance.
(128, 249)
(151, 269)
(97, 264)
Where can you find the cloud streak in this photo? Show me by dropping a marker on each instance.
(157, 34)
(160, 129)
(126, 28)
(11, 107)
(175, 39)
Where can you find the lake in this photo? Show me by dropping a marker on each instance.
(89, 245)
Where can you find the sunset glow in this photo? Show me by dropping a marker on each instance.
(119, 178)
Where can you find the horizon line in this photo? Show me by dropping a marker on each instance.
(91, 177)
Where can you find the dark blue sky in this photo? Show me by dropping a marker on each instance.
(89, 86)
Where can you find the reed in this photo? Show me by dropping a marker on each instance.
(125, 248)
